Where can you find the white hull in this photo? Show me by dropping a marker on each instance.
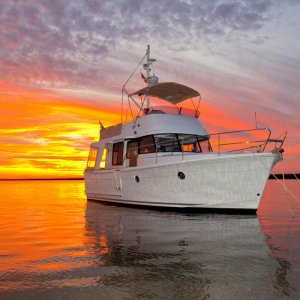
(215, 182)
(164, 156)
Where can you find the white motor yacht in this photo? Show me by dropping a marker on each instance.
(164, 157)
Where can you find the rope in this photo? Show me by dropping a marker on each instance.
(291, 193)
(283, 179)
(142, 104)
(122, 107)
(286, 200)
(125, 85)
(134, 70)
(286, 190)
(130, 108)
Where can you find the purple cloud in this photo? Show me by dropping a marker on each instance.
(64, 44)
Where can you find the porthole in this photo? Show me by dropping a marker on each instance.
(181, 175)
(137, 179)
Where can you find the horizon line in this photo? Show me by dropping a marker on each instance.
(272, 176)
(17, 179)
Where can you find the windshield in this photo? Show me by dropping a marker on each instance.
(172, 142)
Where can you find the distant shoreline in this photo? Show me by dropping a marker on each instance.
(272, 177)
(285, 176)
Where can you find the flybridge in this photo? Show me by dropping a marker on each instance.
(171, 92)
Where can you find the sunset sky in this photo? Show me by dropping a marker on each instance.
(63, 64)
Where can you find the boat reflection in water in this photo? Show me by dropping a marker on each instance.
(55, 245)
(283, 283)
(148, 253)
(279, 219)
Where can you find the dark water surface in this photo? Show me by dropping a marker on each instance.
(56, 245)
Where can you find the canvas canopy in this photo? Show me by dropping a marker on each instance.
(170, 91)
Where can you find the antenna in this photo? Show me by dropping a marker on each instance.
(101, 125)
(255, 120)
(149, 79)
(147, 67)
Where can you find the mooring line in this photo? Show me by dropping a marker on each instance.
(285, 189)
(283, 179)
(291, 193)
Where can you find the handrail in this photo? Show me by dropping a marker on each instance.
(261, 146)
(173, 110)
(238, 131)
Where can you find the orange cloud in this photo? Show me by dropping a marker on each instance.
(45, 135)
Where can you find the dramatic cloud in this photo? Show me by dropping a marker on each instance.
(63, 63)
(46, 135)
(52, 43)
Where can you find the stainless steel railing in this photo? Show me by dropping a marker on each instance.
(255, 145)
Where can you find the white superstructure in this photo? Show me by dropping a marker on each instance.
(167, 158)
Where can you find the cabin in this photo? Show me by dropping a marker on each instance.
(155, 138)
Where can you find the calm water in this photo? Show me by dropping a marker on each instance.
(56, 245)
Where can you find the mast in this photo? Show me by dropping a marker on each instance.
(147, 65)
(149, 79)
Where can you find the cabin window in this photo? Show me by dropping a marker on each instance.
(132, 152)
(167, 142)
(141, 145)
(92, 157)
(132, 146)
(147, 145)
(205, 145)
(117, 155)
(103, 158)
(189, 143)
(193, 143)
(172, 142)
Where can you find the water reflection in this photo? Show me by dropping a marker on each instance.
(147, 251)
(55, 245)
(179, 255)
(279, 219)
(283, 240)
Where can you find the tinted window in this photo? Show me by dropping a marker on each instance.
(147, 144)
(132, 148)
(205, 146)
(142, 145)
(172, 142)
(132, 152)
(92, 157)
(189, 143)
(167, 142)
(194, 143)
(117, 155)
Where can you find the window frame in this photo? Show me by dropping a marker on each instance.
(117, 160)
(139, 146)
(192, 141)
(92, 158)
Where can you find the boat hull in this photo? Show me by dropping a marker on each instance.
(219, 182)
